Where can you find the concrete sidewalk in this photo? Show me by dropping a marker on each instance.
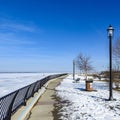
(45, 105)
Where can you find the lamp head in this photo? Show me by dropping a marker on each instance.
(110, 31)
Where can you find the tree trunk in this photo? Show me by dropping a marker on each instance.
(85, 75)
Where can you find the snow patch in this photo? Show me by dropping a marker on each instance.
(87, 105)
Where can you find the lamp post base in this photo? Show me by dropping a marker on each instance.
(111, 99)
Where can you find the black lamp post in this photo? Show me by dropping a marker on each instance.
(73, 69)
(110, 31)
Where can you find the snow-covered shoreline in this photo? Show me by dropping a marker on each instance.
(88, 105)
(10, 82)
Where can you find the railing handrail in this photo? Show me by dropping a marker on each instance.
(11, 102)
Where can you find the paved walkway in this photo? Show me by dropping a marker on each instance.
(44, 108)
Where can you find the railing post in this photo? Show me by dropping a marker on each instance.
(26, 96)
(34, 89)
(39, 84)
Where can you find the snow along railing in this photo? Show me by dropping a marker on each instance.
(11, 102)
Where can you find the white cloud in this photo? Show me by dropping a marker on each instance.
(17, 27)
(13, 39)
(15, 32)
(9, 24)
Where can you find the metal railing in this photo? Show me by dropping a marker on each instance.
(11, 102)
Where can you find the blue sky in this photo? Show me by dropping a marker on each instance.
(46, 35)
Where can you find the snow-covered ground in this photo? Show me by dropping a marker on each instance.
(10, 82)
(85, 105)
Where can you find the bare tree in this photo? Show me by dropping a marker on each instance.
(84, 64)
(116, 51)
(116, 68)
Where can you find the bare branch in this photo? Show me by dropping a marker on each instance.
(116, 52)
(116, 49)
